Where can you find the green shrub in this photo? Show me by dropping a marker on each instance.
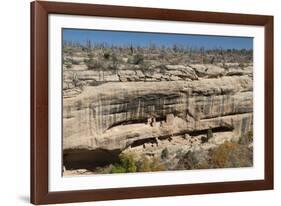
(68, 51)
(156, 165)
(93, 64)
(150, 165)
(118, 169)
(162, 68)
(164, 153)
(106, 55)
(188, 161)
(114, 62)
(209, 134)
(250, 136)
(138, 59)
(246, 138)
(227, 155)
(220, 155)
(231, 154)
(143, 165)
(126, 164)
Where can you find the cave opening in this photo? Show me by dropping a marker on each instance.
(127, 122)
(144, 141)
(89, 159)
(214, 130)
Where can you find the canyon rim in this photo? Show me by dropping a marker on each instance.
(145, 102)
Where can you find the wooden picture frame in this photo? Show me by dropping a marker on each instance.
(40, 106)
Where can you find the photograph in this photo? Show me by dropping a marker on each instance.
(131, 102)
(150, 102)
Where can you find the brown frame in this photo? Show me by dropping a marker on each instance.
(39, 102)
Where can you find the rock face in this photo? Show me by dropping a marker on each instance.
(134, 107)
(146, 100)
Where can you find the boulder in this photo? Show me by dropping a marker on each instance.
(181, 71)
(208, 70)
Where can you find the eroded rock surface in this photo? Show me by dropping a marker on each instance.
(130, 110)
(151, 101)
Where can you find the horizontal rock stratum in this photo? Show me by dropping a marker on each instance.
(118, 114)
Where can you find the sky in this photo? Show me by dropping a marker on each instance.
(143, 39)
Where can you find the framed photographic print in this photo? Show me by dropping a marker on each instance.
(131, 102)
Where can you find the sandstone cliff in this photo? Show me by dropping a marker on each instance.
(130, 108)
